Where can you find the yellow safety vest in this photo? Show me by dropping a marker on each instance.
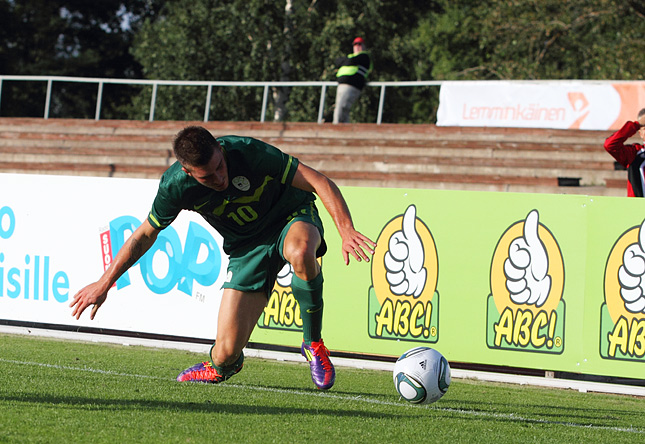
(350, 70)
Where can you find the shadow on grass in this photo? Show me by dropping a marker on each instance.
(209, 406)
(547, 413)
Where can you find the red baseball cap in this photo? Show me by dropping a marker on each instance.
(358, 40)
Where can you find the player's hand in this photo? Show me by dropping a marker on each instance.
(356, 244)
(93, 295)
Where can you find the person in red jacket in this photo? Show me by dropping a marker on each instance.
(630, 156)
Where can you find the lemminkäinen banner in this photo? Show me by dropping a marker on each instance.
(549, 282)
(566, 104)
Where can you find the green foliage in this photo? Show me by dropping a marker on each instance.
(67, 38)
(250, 41)
(549, 39)
(298, 40)
(209, 40)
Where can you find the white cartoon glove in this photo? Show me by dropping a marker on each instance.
(405, 258)
(284, 275)
(630, 275)
(526, 266)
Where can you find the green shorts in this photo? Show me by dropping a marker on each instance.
(256, 267)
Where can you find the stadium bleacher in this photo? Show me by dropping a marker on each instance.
(387, 155)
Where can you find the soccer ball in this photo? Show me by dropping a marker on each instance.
(421, 375)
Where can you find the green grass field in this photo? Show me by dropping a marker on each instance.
(55, 391)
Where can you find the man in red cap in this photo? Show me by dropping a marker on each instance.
(352, 76)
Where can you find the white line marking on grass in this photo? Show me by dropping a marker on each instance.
(515, 417)
(81, 369)
(357, 398)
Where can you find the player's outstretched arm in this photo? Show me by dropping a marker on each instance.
(354, 242)
(96, 293)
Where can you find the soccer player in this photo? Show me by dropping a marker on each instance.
(261, 201)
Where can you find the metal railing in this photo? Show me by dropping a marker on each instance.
(101, 82)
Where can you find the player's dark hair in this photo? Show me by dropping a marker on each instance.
(641, 113)
(194, 146)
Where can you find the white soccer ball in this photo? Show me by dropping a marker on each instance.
(421, 375)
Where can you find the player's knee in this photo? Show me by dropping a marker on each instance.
(297, 256)
(303, 261)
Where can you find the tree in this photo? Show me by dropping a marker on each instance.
(266, 40)
(67, 38)
(548, 39)
(298, 40)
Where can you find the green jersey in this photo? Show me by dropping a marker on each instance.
(258, 202)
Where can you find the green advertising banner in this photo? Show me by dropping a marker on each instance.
(550, 282)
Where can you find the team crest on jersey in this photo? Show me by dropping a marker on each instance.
(241, 183)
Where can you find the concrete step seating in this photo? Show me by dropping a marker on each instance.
(388, 155)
